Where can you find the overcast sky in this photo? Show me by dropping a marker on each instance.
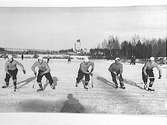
(59, 28)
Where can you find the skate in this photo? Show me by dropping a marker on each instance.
(5, 86)
(85, 86)
(41, 89)
(76, 84)
(122, 87)
(150, 89)
(116, 86)
(15, 89)
(52, 86)
(145, 87)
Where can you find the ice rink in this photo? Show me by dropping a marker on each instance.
(103, 98)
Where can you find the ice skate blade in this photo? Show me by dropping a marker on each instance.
(39, 90)
(150, 89)
(85, 87)
(4, 87)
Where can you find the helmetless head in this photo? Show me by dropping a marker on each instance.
(10, 58)
(152, 59)
(40, 59)
(117, 60)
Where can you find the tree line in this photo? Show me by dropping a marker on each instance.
(140, 48)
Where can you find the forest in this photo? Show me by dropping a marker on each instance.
(140, 48)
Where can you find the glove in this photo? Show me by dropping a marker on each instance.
(35, 73)
(24, 71)
(159, 77)
(91, 74)
(119, 75)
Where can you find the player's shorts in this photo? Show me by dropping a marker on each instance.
(47, 75)
(13, 74)
(81, 75)
(149, 73)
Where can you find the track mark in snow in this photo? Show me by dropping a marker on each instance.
(123, 99)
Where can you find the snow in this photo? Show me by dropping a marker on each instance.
(103, 98)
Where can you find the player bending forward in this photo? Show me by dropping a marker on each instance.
(147, 72)
(11, 71)
(84, 71)
(116, 70)
(43, 70)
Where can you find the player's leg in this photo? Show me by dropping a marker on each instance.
(114, 79)
(7, 78)
(151, 75)
(145, 79)
(121, 81)
(87, 79)
(39, 78)
(79, 77)
(14, 77)
(49, 77)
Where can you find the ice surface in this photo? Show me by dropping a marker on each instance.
(103, 98)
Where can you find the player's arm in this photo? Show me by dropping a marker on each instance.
(22, 67)
(110, 69)
(121, 69)
(159, 70)
(92, 64)
(33, 67)
(6, 67)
